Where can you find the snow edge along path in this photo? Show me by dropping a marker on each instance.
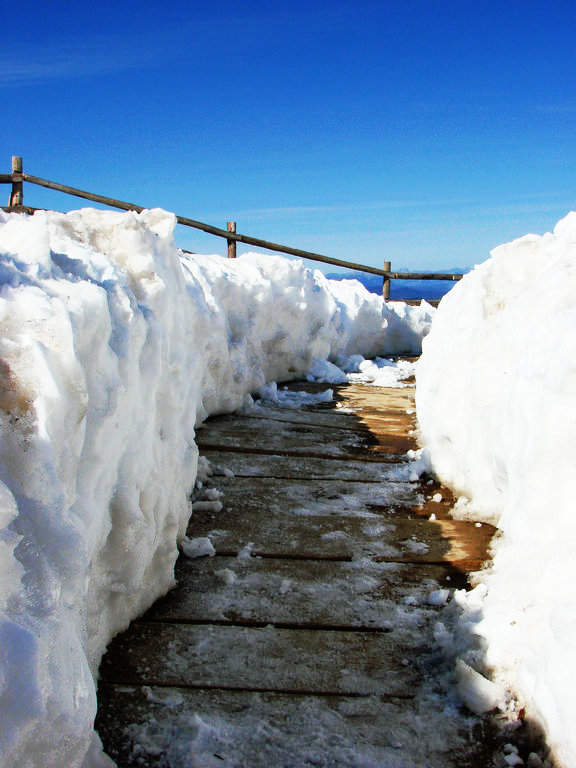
(495, 395)
(113, 348)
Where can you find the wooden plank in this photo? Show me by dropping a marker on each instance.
(172, 727)
(303, 416)
(260, 659)
(375, 479)
(308, 594)
(268, 435)
(394, 422)
(277, 466)
(379, 401)
(177, 726)
(314, 497)
(390, 539)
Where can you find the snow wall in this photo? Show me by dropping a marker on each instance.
(496, 400)
(113, 347)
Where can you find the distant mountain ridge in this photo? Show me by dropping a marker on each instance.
(403, 289)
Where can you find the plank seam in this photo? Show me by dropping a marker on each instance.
(238, 689)
(363, 428)
(465, 565)
(247, 624)
(362, 480)
(381, 458)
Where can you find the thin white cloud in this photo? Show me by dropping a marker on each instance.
(192, 39)
(532, 202)
(80, 58)
(372, 205)
(88, 55)
(443, 212)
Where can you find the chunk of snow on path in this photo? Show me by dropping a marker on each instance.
(416, 547)
(334, 535)
(246, 552)
(325, 372)
(200, 547)
(477, 692)
(383, 373)
(270, 394)
(213, 494)
(227, 576)
(439, 597)
(207, 506)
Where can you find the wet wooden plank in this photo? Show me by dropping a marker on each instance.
(314, 497)
(255, 468)
(277, 466)
(342, 538)
(177, 726)
(260, 659)
(298, 593)
(329, 417)
(340, 418)
(271, 436)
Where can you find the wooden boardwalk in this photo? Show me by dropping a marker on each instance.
(308, 639)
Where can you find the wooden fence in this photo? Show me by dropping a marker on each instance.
(17, 177)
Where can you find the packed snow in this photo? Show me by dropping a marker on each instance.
(354, 369)
(114, 346)
(496, 388)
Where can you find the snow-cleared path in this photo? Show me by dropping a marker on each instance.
(308, 638)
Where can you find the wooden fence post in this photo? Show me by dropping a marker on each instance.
(231, 227)
(17, 195)
(386, 284)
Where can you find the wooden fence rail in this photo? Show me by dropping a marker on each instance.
(18, 177)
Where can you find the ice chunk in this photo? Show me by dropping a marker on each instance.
(246, 552)
(226, 575)
(334, 535)
(438, 597)
(288, 399)
(416, 547)
(477, 692)
(326, 372)
(200, 547)
(207, 506)
(204, 469)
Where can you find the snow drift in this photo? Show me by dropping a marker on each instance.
(113, 347)
(496, 389)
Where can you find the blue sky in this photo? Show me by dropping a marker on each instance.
(425, 132)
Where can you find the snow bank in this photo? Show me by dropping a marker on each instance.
(113, 347)
(496, 389)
